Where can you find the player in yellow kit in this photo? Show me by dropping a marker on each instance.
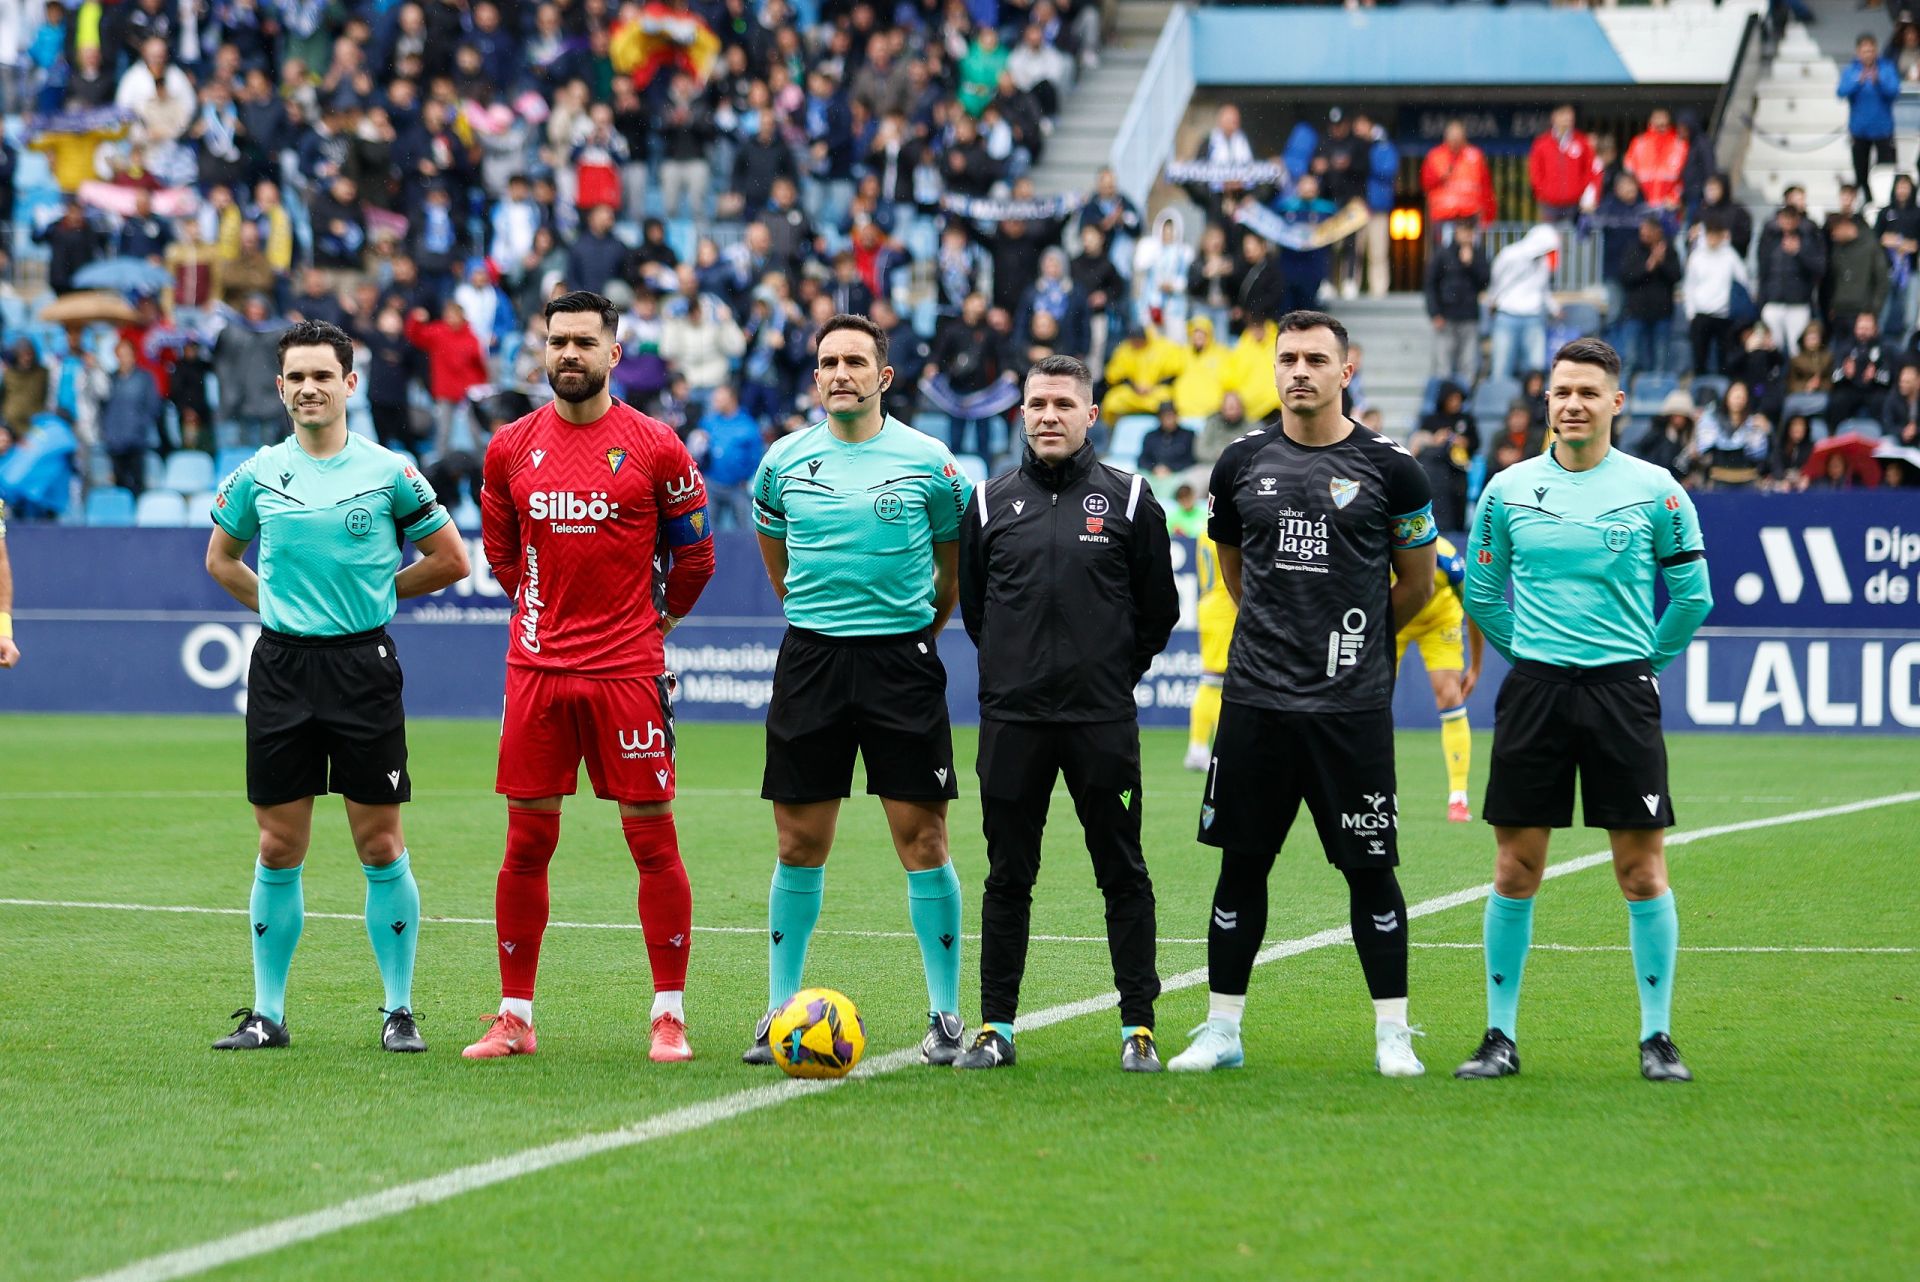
(1438, 630)
(1215, 613)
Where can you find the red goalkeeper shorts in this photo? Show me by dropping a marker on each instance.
(621, 726)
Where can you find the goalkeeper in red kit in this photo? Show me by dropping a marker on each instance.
(585, 500)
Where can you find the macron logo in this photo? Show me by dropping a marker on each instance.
(539, 457)
(1783, 567)
(393, 777)
(1653, 803)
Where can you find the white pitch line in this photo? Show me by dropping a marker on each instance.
(279, 1234)
(199, 910)
(233, 794)
(906, 934)
(1699, 948)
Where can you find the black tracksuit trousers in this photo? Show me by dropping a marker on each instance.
(1018, 763)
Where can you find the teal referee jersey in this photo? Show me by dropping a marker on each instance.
(330, 532)
(1582, 549)
(860, 520)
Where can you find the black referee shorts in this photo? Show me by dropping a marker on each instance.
(884, 698)
(1265, 763)
(324, 715)
(1601, 723)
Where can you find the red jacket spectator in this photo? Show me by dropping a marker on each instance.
(1657, 158)
(456, 363)
(1563, 169)
(1458, 182)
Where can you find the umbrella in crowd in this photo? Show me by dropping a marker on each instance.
(87, 306)
(128, 275)
(1894, 450)
(1855, 448)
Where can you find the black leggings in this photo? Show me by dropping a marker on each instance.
(1377, 913)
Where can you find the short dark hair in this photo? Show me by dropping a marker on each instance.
(1590, 351)
(1059, 366)
(859, 323)
(584, 300)
(1299, 322)
(315, 333)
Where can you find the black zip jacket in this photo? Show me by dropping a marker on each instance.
(1066, 587)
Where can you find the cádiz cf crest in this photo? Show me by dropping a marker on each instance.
(615, 457)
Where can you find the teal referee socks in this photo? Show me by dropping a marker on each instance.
(933, 905)
(277, 913)
(1509, 933)
(393, 926)
(793, 909)
(1653, 933)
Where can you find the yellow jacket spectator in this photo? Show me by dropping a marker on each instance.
(1140, 374)
(1253, 364)
(1210, 370)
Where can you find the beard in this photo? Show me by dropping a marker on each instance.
(588, 386)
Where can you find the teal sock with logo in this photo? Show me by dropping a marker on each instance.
(393, 926)
(933, 905)
(793, 909)
(1509, 933)
(1653, 933)
(277, 913)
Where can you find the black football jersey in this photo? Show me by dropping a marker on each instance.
(1316, 527)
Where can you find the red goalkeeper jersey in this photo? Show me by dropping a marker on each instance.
(578, 523)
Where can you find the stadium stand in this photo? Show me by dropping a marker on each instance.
(437, 156)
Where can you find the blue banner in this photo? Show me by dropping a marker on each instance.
(1816, 615)
(1816, 627)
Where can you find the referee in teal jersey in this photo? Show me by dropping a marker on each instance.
(1580, 532)
(323, 690)
(858, 519)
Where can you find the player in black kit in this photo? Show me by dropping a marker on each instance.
(1311, 518)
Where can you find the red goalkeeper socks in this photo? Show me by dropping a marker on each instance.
(520, 897)
(666, 897)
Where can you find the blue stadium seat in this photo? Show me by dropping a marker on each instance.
(684, 237)
(1811, 404)
(934, 424)
(1582, 318)
(1868, 427)
(1708, 388)
(160, 507)
(110, 505)
(1491, 398)
(1430, 398)
(1129, 434)
(153, 471)
(1649, 391)
(229, 458)
(199, 506)
(466, 516)
(926, 317)
(973, 465)
(189, 471)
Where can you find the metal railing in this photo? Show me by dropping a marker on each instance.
(1732, 124)
(1579, 267)
(1159, 102)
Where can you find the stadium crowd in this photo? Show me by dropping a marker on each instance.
(428, 173)
(1794, 335)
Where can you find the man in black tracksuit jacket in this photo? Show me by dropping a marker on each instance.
(1066, 587)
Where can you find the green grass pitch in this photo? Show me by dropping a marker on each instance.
(1795, 1155)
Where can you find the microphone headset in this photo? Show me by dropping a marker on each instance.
(862, 400)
